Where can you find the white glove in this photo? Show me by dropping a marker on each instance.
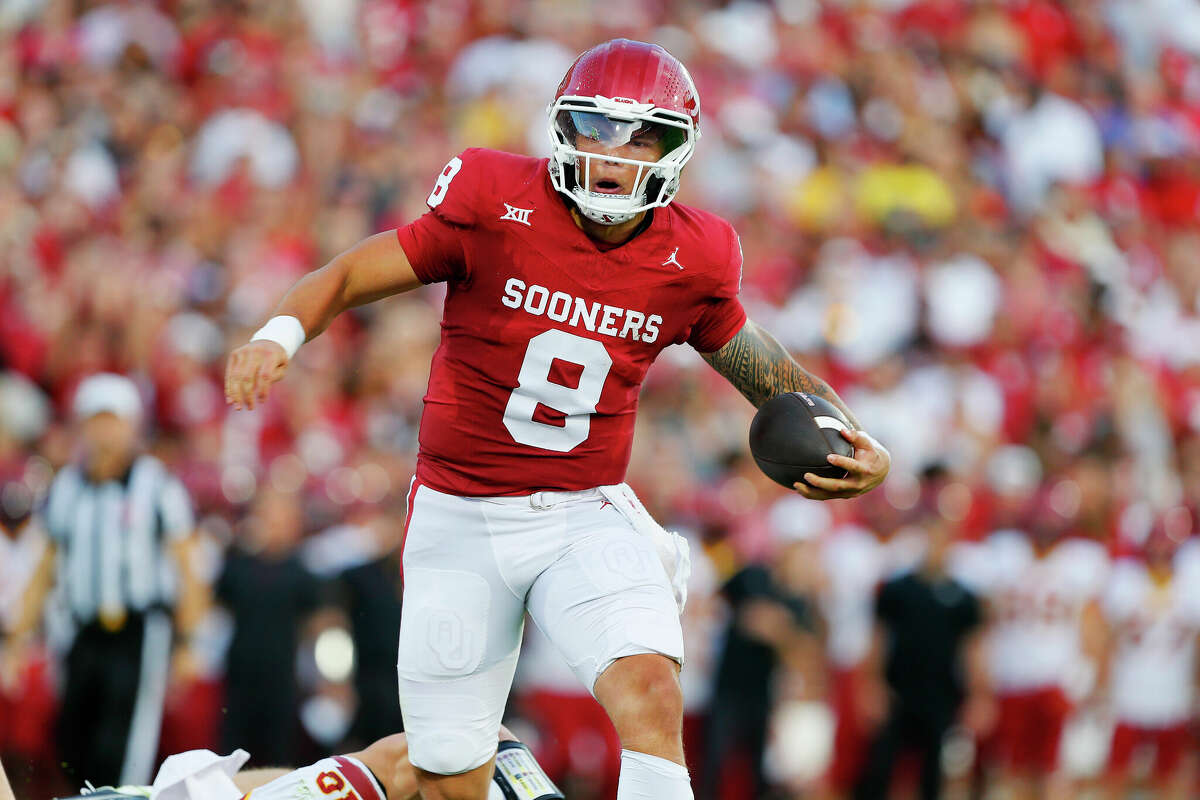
(199, 775)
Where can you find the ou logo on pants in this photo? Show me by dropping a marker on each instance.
(449, 642)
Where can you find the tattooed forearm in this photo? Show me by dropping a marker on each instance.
(759, 367)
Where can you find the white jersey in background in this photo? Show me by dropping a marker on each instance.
(1155, 626)
(20, 554)
(856, 562)
(1037, 605)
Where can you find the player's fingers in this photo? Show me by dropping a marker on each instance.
(855, 437)
(848, 464)
(831, 484)
(267, 376)
(250, 384)
(862, 442)
(236, 398)
(813, 493)
(807, 491)
(234, 376)
(231, 370)
(865, 443)
(241, 377)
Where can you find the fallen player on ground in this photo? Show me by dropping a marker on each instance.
(380, 772)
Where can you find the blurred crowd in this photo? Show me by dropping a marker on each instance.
(980, 219)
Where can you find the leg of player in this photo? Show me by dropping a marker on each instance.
(470, 785)
(642, 696)
(517, 775)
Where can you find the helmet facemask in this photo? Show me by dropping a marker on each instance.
(614, 123)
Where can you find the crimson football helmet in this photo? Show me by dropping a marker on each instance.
(616, 92)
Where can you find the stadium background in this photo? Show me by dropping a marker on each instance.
(978, 219)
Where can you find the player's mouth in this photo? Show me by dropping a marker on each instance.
(607, 186)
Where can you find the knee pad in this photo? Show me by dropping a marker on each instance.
(448, 733)
(446, 750)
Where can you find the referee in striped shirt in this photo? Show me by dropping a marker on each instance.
(121, 526)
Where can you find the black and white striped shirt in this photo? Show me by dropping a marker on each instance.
(112, 538)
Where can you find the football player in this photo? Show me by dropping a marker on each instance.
(380, 772)
(1044, 584)
(565, 279)
(1153, 609)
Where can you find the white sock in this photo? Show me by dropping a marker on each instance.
(646, 777)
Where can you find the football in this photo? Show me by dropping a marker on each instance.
(793, 433)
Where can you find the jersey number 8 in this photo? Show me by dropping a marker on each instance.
(534, 386)
(443, 182)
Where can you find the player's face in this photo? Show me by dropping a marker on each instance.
(107, 436)
(617, 139)
(278, 522)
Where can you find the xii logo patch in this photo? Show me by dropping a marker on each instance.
(515, 214)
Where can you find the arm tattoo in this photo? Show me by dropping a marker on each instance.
(759, 367)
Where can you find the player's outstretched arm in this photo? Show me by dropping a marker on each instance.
(375, 268)
(760, 368)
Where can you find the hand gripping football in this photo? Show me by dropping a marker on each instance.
(793, 434)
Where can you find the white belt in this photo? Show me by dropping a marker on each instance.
(543, 500)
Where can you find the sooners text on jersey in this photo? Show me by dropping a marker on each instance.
(547, 334)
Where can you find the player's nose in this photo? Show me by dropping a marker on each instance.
(606, 160)
(606, 169)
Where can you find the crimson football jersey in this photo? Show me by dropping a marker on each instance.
(546, 333)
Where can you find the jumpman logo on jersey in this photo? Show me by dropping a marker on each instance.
(515, 214)
(671, 259)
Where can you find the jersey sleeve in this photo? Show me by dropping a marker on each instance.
(433, 242)
(434, 249)
(722, 316)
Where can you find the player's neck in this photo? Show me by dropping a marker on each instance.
(609, 234)
(1160, 573)
(108, 466)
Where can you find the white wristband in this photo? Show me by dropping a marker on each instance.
(285, 331)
